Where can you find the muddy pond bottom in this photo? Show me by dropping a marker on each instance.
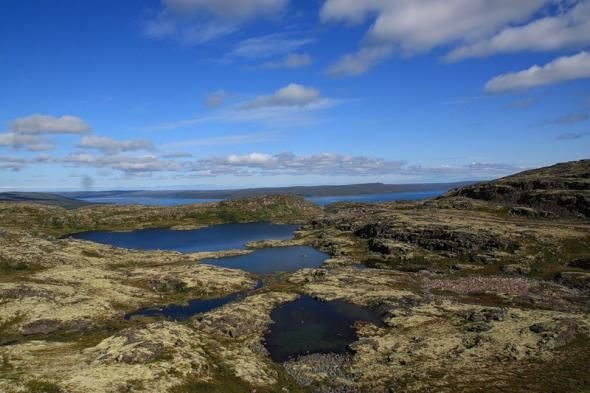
(307, 326)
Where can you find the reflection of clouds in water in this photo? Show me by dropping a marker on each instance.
(87, 182)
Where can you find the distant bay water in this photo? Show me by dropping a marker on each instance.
(149, 201)
(319, 200)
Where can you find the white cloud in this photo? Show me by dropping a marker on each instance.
(44, 124)
(227, 9)
(111, 146)
(559, 70)
(569, 119)
(420, 25)
(292, 95)
(128, 164)
(198, 21)
(568, 136)
(178, 154)
(524, 103)
(417, 26)
(215, 99)
(358, 63)
(12, 163)
(24, 141)
(292, 60)
(236, 139)
(568, 29)
(330, 164)
(288, 163)
(269, 45)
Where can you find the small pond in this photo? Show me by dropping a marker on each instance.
(307, 326)
(182, 312)
(273, 260)
(212, 238)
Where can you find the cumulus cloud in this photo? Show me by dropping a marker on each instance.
(178, 154)
(292, 95)
(24, 141)
(111, 146)
(12, 163)
(559, 70)
(568, 29)
(289, 163)
(417, 26)
(292, 60)
(568, 119)
(44, 124)
(330, 164)
(358, 63)
(127, 164)
(198, 21)
(215, 99)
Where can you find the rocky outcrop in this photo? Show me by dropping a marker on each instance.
(562, 189)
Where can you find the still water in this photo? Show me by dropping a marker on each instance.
(273, 260)
(307, 326)
(212, 238)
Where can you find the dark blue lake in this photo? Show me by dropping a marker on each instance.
(273, 260)
(307, 326)
(212, 238)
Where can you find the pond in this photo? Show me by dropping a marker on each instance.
(307, 326)
(273, 260)
(179, 312)
(212, 238)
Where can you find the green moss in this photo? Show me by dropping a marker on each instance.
(36, 386)
(8, 325)
(224, 381)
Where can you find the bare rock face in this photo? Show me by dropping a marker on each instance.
(580, 280)
(562, 189)
(434, 237)
(41, 326)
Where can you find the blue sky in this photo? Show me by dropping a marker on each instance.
(244, 93)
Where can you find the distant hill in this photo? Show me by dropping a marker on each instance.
(562, 189)
(72, 200)
(304, 191)
(42, 198)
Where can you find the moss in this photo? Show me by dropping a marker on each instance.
(7, 327)
(37, 386)
(224, 381)
(92, 254)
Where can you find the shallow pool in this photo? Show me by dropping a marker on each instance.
(307, 326)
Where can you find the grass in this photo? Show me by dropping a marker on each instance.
(554, 258)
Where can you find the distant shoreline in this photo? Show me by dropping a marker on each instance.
(304, 191)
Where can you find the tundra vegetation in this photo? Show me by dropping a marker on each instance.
(486, 288)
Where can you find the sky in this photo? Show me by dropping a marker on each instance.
(207, 94)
